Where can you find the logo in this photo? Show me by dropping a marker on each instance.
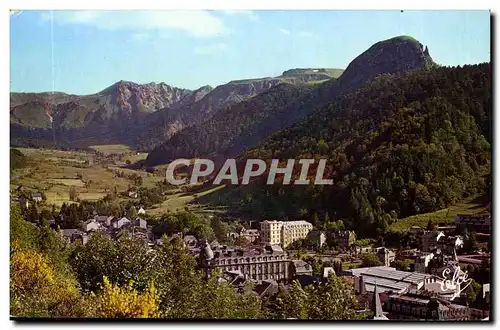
(459, 281)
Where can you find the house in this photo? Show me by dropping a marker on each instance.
(118, 223)
(267, 289)
(449, 244)
(422, 261)
(300, 267)
(429, 240)
(91, 225)
(141, 211)
(36, 197)
(388, 279)
(141, 223)
(344, 239)
(327, 271)
(73, 235)
(104, 220)
(385, 256)
(251, 235)
(23, 202)
(133, 194)
(316, 239)
(190, 241)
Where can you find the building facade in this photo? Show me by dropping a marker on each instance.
(429, 240)
(419, 307)
(264, 263)
(292, 231)
(344, 239)
(270, 232)
(284, 233)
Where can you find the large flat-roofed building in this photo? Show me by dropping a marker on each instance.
(264, 263)
(388, 279)
(284, 232)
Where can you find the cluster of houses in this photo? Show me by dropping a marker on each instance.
(110, 225)
(25, 199)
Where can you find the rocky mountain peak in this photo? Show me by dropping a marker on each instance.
(393, 55)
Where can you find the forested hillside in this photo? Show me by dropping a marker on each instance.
(402, 144)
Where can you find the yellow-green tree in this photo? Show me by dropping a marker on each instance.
(36, 290)
(125, 302)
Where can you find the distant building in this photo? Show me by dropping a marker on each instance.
(141, 223)
(474, 222)
(449, 244)
(429, 240)
(91, 225)
(421, 307)
(422, 261)
(251, 235)
(104, 220)
(263, 263)
(316, 239)
(292, 231)
(74, 235)
(284, 232)
(344, 239)
(121, 222)
(190, 241)
(388, 279)
(386, 256)
(300, 267)
(36, 197)
(270, 232)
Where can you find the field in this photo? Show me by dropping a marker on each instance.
(54, 172)
(112, 148)
(470, 205)
(178, 201)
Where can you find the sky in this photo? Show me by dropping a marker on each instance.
(83, 52)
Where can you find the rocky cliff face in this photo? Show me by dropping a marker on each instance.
(389, 56)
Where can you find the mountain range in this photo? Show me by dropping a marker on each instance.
(402, 134)
(141, 115)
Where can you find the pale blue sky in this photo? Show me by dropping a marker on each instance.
(83, 52)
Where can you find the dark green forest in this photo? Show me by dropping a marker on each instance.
(403, 144)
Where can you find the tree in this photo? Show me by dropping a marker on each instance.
(370, 260)
(36, 289)
(73, 195)
(132, 213)
(430, 225)
(401, 264)
(333, 301)
(125, 302)
(295, 302)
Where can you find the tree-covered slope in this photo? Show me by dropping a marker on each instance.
(402, 144)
